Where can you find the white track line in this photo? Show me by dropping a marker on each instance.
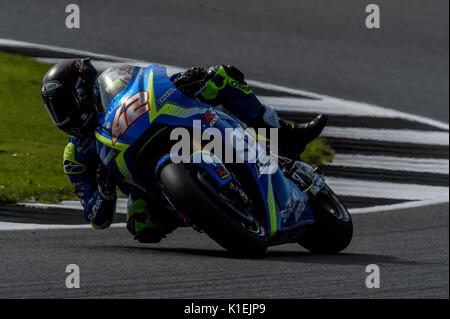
(121, 205)
(28, 45)
(24, 226)
(337, 106)
(101, 65)
(389, 135)
(342, 187)
(6, 226)
(374, 189)
(325, 106)
(399, 206)
(330, 104)
(321, 104)
(421, 165)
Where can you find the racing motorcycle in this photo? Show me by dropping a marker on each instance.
(237, 204)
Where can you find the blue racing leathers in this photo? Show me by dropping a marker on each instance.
(80, 165)
(219, 85)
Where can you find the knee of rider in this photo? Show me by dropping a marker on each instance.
(135, 206)
(101, 222)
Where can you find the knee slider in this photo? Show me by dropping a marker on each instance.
(101, 226)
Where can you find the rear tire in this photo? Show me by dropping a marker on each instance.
(207, 213)
(333, 229)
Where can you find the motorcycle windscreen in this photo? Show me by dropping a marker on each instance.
(111, 82)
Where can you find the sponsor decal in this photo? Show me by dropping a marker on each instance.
(109, 157)
(70, 168)
(165, 96)
(95, 209)
(211, 117)
(221, 172)
(50, 86)
(80, 65)
(241, 86)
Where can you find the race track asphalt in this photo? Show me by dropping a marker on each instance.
(317, 45)
(320, 46)
(408, 246)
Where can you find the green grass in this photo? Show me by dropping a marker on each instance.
(31, 147)
(318, 152)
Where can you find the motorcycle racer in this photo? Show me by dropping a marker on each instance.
(71, 95)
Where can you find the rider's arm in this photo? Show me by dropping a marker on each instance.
(81, 166)
(222, 85)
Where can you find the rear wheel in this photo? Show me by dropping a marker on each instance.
(333, 229)
(211, 212)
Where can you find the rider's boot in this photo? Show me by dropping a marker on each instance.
(142, 226)
(292, 137)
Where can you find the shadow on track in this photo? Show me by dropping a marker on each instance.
(278, 256)
(336, 259)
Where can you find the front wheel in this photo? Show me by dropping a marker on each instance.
(210, 214)
(333, 229)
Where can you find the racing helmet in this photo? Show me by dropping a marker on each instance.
(67, 94)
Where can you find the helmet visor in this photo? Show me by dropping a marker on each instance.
(60, 115)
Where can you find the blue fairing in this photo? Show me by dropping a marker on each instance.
(151, 98)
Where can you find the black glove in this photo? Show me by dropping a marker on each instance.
(231, 70)
(106, 183)
(190, 81)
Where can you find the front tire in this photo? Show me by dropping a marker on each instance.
(207, 213)
(333, 229)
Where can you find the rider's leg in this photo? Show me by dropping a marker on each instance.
(226, 86)
(145, 227)
(292, 137)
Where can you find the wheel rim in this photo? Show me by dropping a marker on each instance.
(253, 226)
(334, 206)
